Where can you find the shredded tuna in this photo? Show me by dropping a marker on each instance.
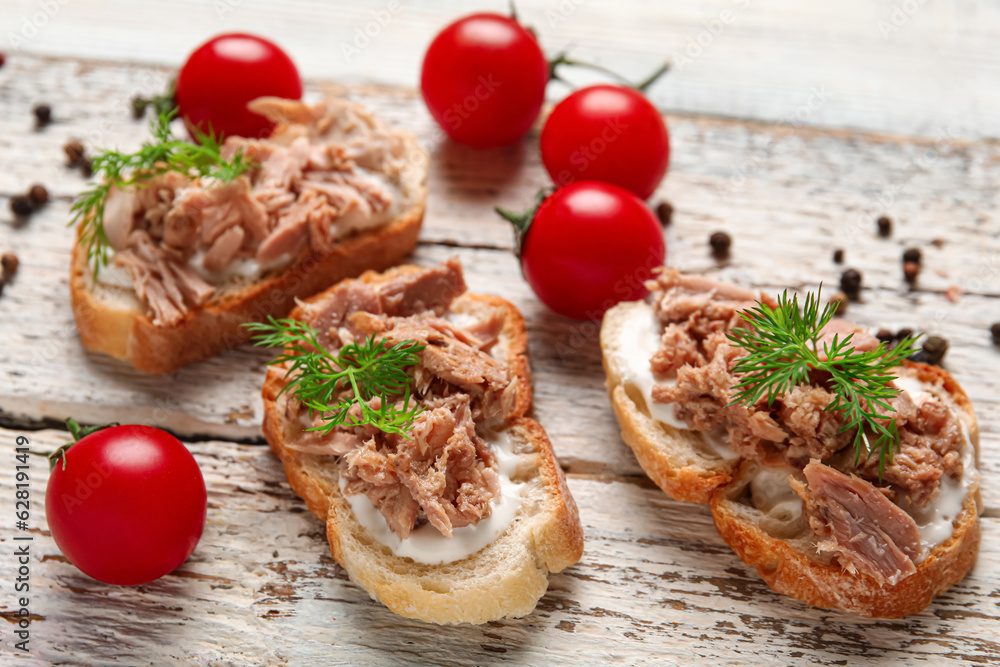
(324, 173)
(866, 531)
(443, 473)
(166, 285)
(446, 358)
(696, 313)
(930, 439)
(431, 289)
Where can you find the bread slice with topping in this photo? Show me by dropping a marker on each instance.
(335, 192)
(496, 564)
(785, 488)
(688, 465)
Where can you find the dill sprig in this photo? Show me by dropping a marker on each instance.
(127, 170)
(369, 369)
(783, 347)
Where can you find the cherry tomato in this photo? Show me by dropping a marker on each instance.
(607, 133)
(226, 72)
(589, 246)
(129, 507)
(483, 80)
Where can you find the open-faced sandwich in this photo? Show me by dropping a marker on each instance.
(398, 410)
(181, 244)
(847, 475)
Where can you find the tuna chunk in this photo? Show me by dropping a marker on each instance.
(854, 520)
(445, 470)
(930, 443)
(446, 358)
(224, 249)
(432, 289)
(305, 192)
(860, 339)
(698, 306)
(168, 287)
(119, 217)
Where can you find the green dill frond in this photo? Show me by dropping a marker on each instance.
(162, 154)
(782, 346)
(358, 373)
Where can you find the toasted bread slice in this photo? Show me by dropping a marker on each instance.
(785, 555)
(504, 579)
(778, 543)
(114, 320)
(679, 461)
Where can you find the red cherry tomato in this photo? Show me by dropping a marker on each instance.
(484, 79)
(607, 133)
(129, 507)
(226, 72)
(589, 246)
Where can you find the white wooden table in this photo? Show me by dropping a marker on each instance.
(905, 130)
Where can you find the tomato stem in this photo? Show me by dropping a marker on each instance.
(641, 86)
(78, 432)
(652, 78)
(522, 221)
(162, 103)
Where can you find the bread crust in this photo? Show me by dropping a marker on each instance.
(128, 333)
(506, 578)
(665, 455)
(791, 571)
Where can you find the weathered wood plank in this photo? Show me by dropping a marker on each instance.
(656, 585)
(809, 191)
(913, 67)
(785, 193)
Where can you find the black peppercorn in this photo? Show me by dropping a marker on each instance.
(995, 333)
(43, 115)
(665, 212)
(885, 336)
(935, 348)
(21, 205)
(38, 195)
(74, 153)
(838, 256)
(884, 226)
(720, 242)
(8, 267)
(138, 108)
(86, 167)
(850, 283)
(904, 333)
(912, 255)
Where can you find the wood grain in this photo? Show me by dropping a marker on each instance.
(656, 585)
(808, 192)
(882, 65)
